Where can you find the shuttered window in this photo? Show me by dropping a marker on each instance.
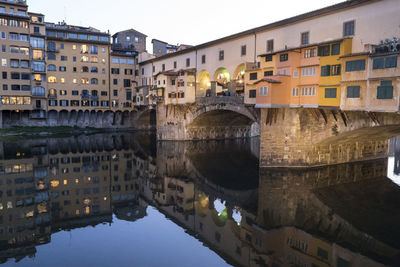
(330, 92)
(353, 92)
(385, 90)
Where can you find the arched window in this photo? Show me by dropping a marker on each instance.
(52, 92)
(52, 79)
(51, 68)
(94, 69)
(51, 56)
(84, 69)
(51, 46)
(38, 91)
(84, 81)
(94, 81)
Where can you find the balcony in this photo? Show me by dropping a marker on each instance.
(94, 97)
(85, 97)
(38, 94)
(52, 50)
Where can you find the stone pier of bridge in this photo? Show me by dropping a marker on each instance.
(316, 137)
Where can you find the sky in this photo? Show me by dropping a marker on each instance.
(174, 21)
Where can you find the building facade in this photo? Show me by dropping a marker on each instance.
(299, 62)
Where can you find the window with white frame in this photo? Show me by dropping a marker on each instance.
(309, 53)
(295, 92)
(263, 91)
(308, 91)
(308, 72)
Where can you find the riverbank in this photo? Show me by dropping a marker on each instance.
(7, 133)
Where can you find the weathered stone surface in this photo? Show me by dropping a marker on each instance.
(142, 119)
(209, 118)
(312, 137)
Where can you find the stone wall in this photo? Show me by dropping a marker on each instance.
(206, 120)
(312, 137)
(141, 119)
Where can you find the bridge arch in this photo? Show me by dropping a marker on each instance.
(222, 121)
(222, 76)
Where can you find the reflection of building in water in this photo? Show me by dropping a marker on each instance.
(328, 216)
(43, 192)
(395, 151)
(296, 224)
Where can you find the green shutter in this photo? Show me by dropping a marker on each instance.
(353, 92)
(335, 49)
(385, 90)
(391, 62)
(330, 92)
(379, 63)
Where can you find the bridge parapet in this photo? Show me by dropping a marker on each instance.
(214, 100)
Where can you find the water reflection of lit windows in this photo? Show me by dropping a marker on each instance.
(42, 207)
(30, 214)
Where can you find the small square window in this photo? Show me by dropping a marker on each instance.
(284, 57)
(270, 45)
(221, 55)
(305, 38)
(243, 50)
(348, 28)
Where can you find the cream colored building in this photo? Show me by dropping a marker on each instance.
(15, 56)
(77, 68)
(366, 22)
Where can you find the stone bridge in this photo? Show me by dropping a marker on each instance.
(218, 117)
(298, 137)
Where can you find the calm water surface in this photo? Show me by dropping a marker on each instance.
(125, 200)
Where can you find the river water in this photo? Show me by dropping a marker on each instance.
(123, 199)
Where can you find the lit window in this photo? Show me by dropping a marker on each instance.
(52, 79)
(54, 183)
(84, 49)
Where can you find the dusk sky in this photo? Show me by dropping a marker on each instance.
(174, 21)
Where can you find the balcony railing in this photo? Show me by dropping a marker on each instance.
(85, 97)
(38, 94)
(52, 96)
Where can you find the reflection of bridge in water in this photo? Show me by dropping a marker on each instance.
(343, 214)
